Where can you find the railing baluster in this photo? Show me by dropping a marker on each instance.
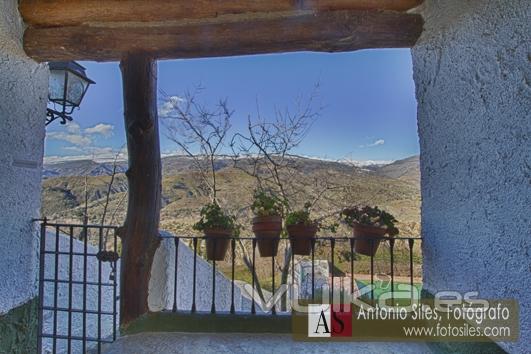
(70, 271)
(332, 246)
(372, 269)
(100, 244)
(352, 240)
(175, 279)
(114, 287)
(411, 242)
(42, 255)
(292, 297)
(85, 271)
(56, 284)
(253, 309)
(213, 308)
(313, 268)
(193, 284)
(391, 250)
(273, 309)
(233, 255)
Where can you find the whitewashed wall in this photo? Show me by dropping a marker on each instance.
(472, 72)
(161, 294)
(23, 97)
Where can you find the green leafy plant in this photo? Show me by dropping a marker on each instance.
(265, 204)
(370, 216)
(300, 217)
(213, 217)
(303, 216)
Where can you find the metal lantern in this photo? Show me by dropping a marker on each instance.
(67, 87)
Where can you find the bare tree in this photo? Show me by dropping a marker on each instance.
(201, 134)
(108, 196)
(198, 131)
(110, 185)
(265, 152)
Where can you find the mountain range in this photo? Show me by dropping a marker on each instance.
(393, 186)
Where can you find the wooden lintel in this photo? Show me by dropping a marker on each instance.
(329, 31)
(53, 13)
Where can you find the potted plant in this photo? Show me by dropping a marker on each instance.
(369, 226)
(218, 227)
(267, 222)
(301, 230)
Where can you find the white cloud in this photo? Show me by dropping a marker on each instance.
(376, 143)
(81, 142)
(72, 148)
(74, 139)
(73, 128)
(80, 138)
(169, 105)
(103, 129)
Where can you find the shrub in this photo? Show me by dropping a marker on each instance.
(266, 204)
(213, 217)
(370, 216)
(300, 217)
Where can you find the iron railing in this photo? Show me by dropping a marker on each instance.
(79, 280)
(318, 242)
(78, 307)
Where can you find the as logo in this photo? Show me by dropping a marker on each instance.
(319, 320)
(329, 321)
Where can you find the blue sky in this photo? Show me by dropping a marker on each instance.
(368, 99)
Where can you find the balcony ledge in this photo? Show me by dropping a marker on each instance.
(179, 342)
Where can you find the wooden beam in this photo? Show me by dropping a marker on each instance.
(53, 13)
(140, 233)
(331, 31)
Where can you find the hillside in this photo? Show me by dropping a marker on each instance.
(81, 168)
(392, 187)
(406, 169)
(172, 165)
(183, 196)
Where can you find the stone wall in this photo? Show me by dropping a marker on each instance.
(23, 88)
(472, 73)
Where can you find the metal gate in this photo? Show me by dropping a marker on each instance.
(78, 287)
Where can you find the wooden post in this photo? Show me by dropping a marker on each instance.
(140, 232)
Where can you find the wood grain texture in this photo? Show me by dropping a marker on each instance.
(53, 13)
(140, 233)
(330, 31)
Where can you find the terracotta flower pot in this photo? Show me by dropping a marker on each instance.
(300, 237)
(217, 243)
(267, 231)
(367, 238)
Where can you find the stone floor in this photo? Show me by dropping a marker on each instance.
(234, 343)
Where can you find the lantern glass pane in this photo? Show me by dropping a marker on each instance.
(75, 89)
(56, 85)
